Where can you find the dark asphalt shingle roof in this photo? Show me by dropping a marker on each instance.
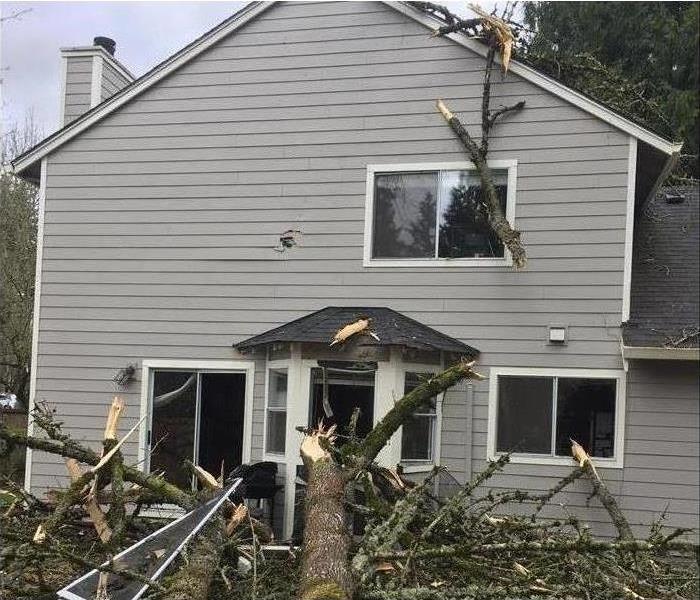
(391, 327)
(666, 272)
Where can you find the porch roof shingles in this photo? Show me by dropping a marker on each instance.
(391, 327)
(666, 273)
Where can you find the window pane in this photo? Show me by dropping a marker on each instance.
(586, 413)
(222, 405)
(172, 436)
(464, 228)
(276, 430)
(411, 382)
(524, 422)
(417, 438)
(404, 215)
(417, 433)
(277, 394)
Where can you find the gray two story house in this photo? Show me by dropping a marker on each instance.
(215, 221)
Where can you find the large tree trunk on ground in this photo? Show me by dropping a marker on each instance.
(325, 570)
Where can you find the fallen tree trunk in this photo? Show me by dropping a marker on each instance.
(325, 568)
(326, 573)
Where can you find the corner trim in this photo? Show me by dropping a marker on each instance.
(660, 353)
(96, 81)
(62, 92)
(35, 318)
(629, 228)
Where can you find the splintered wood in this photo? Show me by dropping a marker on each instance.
(349, 330)
(501, 31)
(91, 506)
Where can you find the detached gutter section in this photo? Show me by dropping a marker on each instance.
(659, 353)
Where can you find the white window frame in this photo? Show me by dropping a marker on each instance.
(615, 462)
(372, 170)
(246, 367)
(423, 465)
(276, 365)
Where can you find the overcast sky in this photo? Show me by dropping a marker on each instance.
(146, 33)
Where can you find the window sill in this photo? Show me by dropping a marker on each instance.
(274, 457)
(563, 461)
(415, 467)
(437, 262)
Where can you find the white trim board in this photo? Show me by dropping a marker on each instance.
(35, 318)
(253, 9)
(629, 229)
(62, 92)
(368, 261)
(96, 80)
(617, 462)
(654, 353)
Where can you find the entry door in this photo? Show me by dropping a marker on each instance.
(195, 415)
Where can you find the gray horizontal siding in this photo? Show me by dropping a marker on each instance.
(78, 84)
(161, 222)
(112, 81)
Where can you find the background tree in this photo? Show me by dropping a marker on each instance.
(640, 58)
(18, 226)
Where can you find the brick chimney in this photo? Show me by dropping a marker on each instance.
(90, 74)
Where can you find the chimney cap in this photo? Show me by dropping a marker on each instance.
(107, 43)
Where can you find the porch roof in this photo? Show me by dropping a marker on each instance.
(391, 327)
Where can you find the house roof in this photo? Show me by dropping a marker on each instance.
(25, 164)
(390, 327)
(665, 296)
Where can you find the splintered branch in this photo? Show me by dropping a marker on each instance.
(404, 408)
(168, 492)
(497, 35)
(509, 236)
(601, 490)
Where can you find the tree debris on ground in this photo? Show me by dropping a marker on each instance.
(416, 543)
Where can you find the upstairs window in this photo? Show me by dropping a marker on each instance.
(426, 215)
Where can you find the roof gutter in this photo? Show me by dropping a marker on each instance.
(660, 353)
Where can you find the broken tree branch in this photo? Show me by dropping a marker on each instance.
(601, 490)
(71, 449)
(420, 396)
(509, 236)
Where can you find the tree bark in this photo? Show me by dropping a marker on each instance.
(509, 236)
(325, 569)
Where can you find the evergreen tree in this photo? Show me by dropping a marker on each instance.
(641, 58)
